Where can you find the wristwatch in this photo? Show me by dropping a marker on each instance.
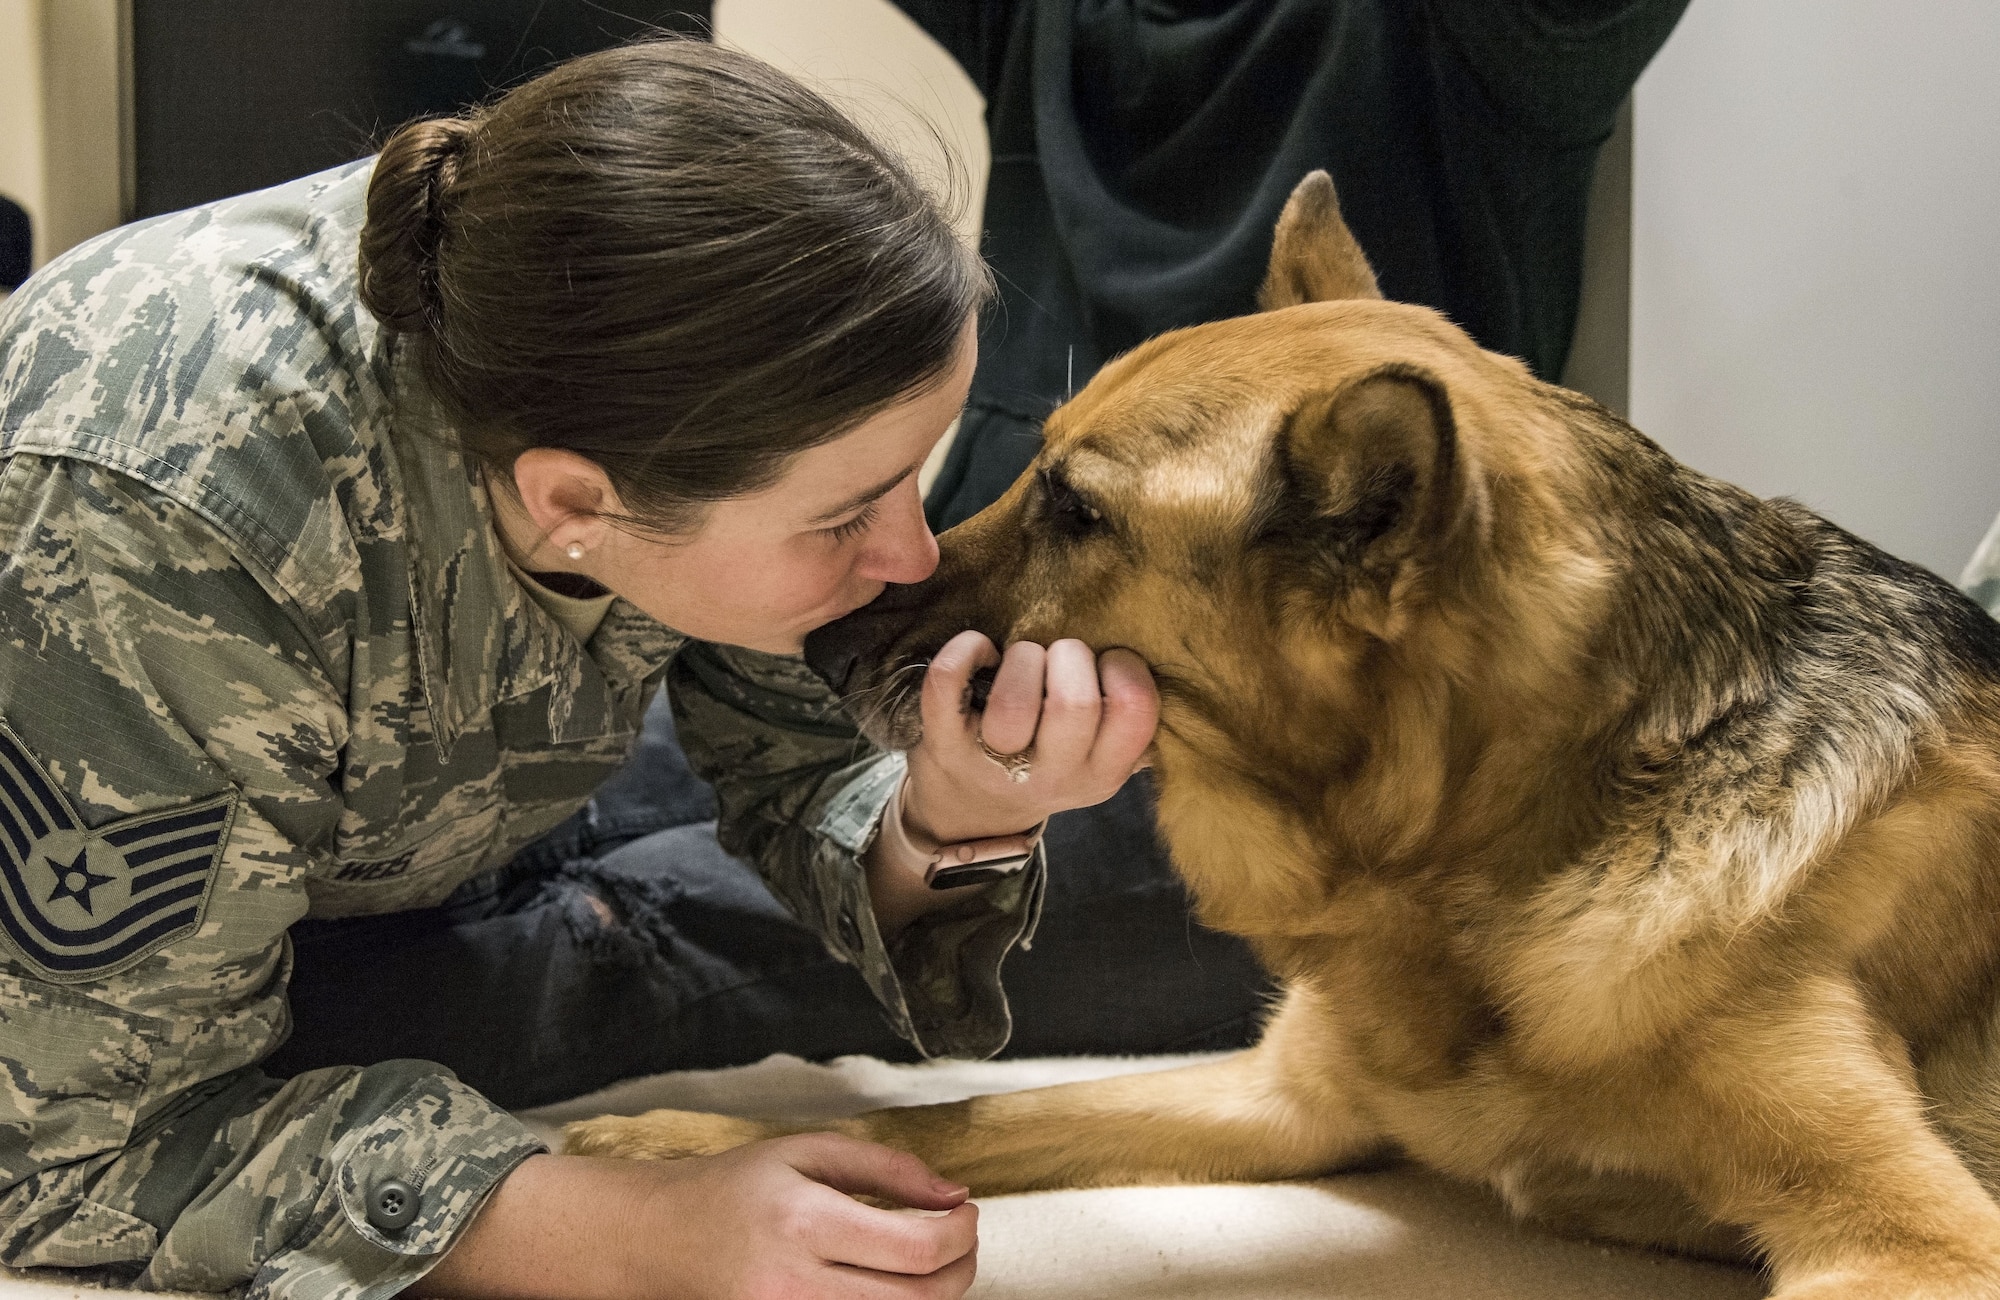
(957, 865)
(980, 862)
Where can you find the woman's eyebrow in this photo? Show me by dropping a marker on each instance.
(861, 499)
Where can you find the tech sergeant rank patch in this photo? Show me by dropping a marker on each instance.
(78, 903)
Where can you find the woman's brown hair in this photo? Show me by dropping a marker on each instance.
(669, 258)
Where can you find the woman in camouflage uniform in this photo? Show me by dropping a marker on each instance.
(346, 531)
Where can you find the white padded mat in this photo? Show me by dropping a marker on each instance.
(1394, 1235)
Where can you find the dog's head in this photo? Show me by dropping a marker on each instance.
(1262, 508)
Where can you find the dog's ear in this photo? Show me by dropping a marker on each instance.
(1367, 475)
(1313, 255)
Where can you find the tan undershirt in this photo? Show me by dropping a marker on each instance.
(579, 616)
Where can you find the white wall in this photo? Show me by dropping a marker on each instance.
(1816, 260)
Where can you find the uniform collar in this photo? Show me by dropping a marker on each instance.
(480, 637)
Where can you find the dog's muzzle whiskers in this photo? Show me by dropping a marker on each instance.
(885, 698)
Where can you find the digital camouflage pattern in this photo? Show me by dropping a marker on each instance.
(262, 658)
(1982, 576)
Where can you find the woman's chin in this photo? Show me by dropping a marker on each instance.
(792, 645)
(779, 640)
(761, 640)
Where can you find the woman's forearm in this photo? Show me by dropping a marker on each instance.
(555, 1226)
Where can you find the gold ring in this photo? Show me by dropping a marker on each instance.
(1016, 765)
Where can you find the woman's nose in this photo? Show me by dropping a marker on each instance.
(904, 550)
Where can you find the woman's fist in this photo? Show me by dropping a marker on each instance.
(1080, 721)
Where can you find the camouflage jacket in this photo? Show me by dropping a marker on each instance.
(261, 658)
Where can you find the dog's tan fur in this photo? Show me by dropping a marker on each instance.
(1621, 841)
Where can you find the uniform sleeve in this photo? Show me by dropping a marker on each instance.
(1556, 69)
(172, 731)
(801, 795)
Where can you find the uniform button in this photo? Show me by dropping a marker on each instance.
(392, 1204)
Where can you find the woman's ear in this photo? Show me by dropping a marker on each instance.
(567, 496)
(1314, 257)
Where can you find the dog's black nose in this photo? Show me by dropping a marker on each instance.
(832, 651)
(842, 650)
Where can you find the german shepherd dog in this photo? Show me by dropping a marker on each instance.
(1621, 841)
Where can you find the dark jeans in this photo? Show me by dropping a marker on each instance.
(626, 942)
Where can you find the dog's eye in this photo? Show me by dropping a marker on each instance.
(1069, 511)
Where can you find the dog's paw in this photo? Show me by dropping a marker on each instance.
(662, 1135)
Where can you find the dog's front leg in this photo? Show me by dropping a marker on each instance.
(1815, 1137)
(1277, 1110)
(1247, 1117)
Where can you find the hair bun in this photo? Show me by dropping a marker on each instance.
(407, 205)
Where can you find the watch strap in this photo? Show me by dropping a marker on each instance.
(980, 862)
(960, 864)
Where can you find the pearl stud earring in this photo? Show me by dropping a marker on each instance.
(575, 551)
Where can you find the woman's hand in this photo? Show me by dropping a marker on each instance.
(768, 1219)
(1088, 718)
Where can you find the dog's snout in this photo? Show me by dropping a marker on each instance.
(841, 649)
(832, 652)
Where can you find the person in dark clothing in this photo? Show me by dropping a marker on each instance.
(1142, 150)
(1141, 153)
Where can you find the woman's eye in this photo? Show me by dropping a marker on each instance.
(854, 527)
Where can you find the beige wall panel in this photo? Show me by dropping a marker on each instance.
(879, 66)
(885, 72)
(21, 177)
(83, 89)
